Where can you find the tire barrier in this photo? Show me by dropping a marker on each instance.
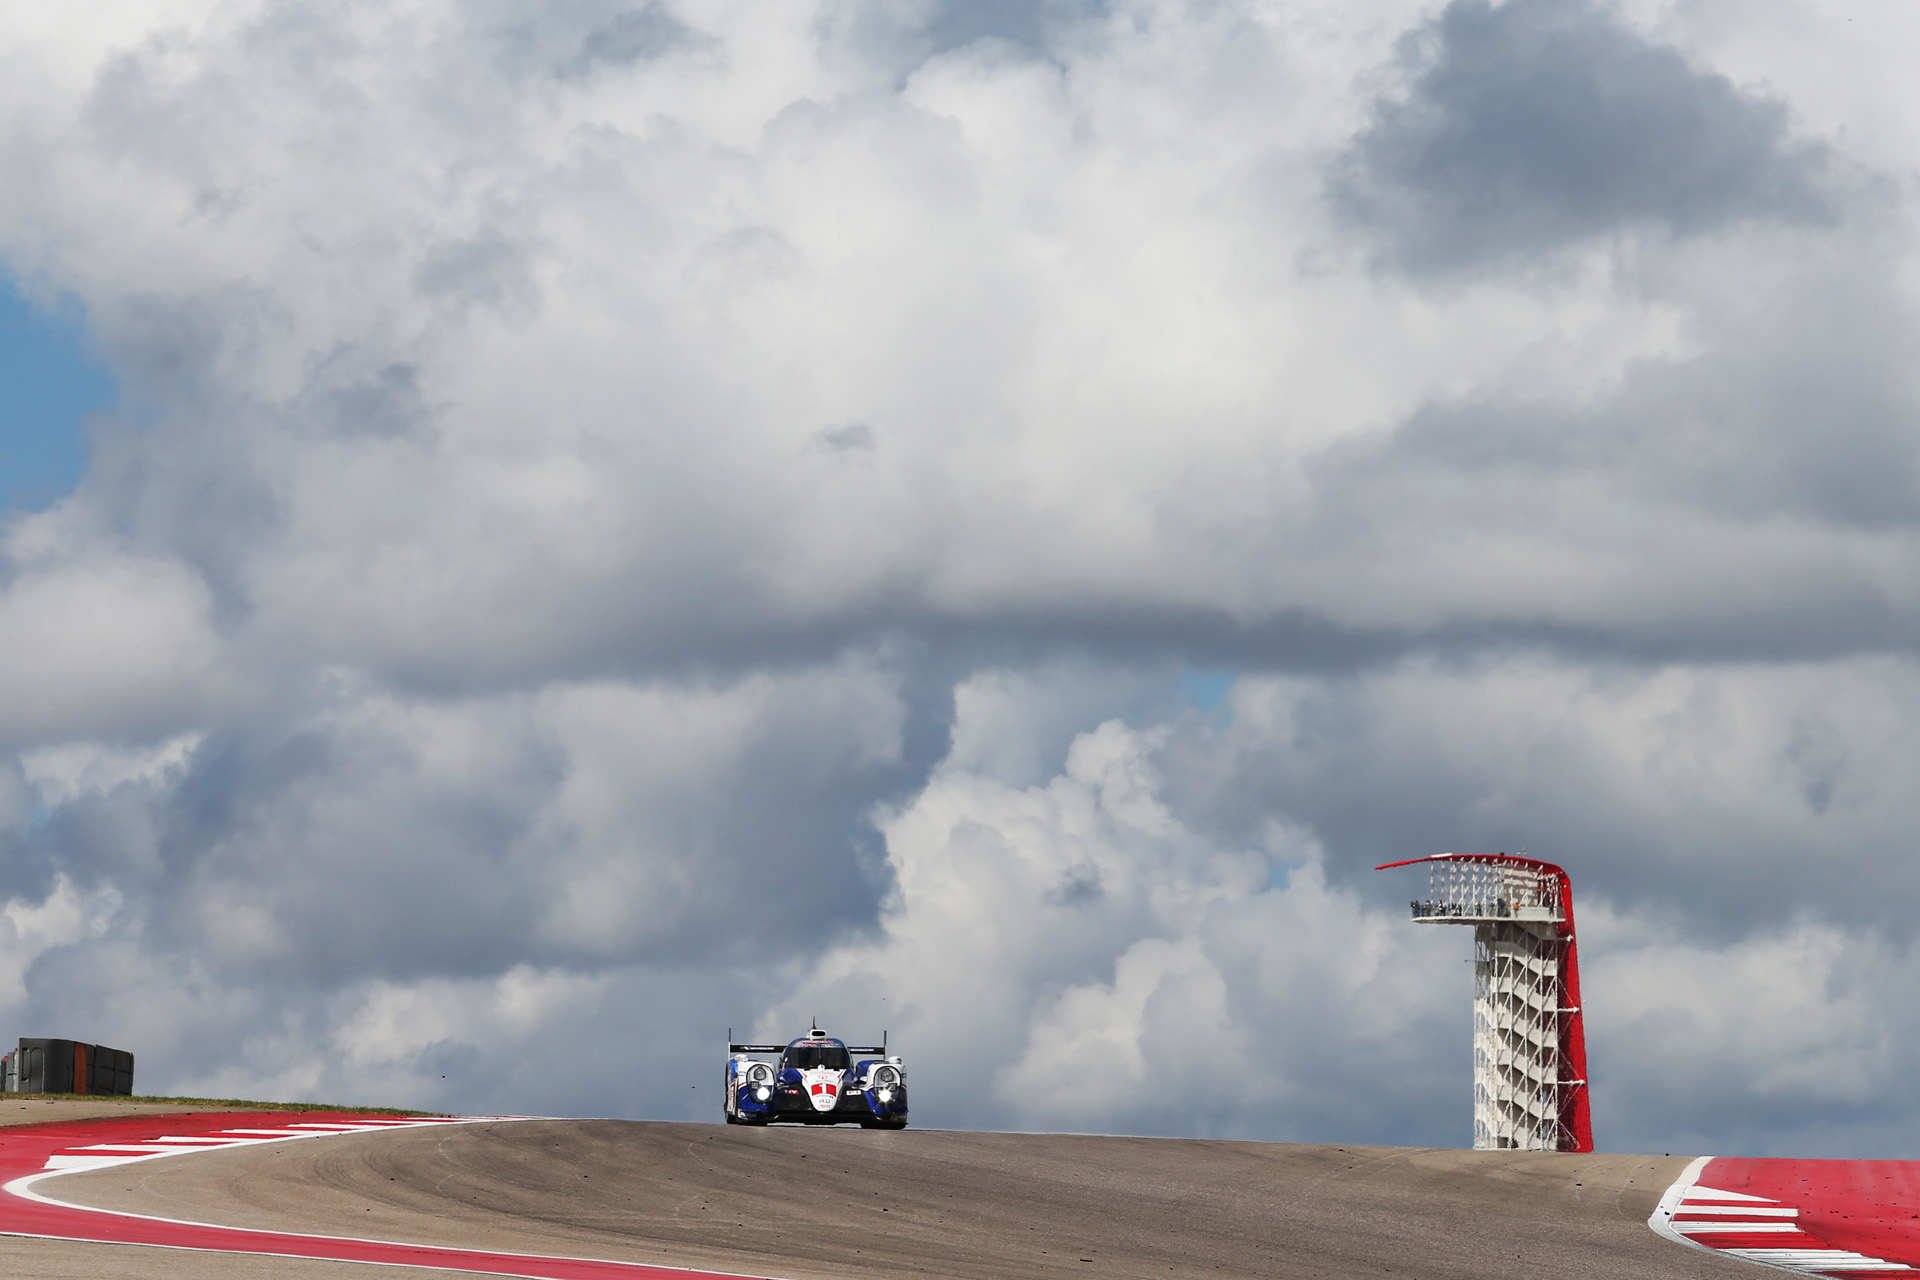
(66, 1066)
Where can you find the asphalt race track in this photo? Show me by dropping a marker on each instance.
(825, 1204)
(31, 1155)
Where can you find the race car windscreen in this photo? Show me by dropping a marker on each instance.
(806, 1057)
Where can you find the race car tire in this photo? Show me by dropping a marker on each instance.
(883, 1124)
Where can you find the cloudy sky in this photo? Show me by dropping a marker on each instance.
(537, 534)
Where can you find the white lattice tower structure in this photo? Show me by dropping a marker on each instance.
(1529, 1042)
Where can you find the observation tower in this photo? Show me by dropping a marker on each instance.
(1529, 1044)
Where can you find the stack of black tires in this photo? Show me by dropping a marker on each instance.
(66, 1066)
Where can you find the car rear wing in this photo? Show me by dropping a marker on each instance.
(871, 1050)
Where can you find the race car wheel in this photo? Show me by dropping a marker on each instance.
(883, 1124)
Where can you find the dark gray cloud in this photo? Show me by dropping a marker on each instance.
(1540, 123)
(1828, 443)
(351, 396)
(489, 270)
(853, 437)
(1512, 752)
(577, 38)
(900, 36)
(1025, 22)
(347, 842)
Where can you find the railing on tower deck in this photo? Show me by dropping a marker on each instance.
(1466, 888)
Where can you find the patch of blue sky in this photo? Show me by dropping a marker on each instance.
(1280, 874)
(1206, 689)
(49, 383)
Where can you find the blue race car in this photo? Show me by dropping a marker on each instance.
(817, 1081)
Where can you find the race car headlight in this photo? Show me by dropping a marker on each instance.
(885, 1078)
(884, 1094)
(763, 1093)
(759, 1074)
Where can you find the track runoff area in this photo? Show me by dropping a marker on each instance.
(1812, 1217)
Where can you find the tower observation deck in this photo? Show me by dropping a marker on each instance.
(1529, 1043)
